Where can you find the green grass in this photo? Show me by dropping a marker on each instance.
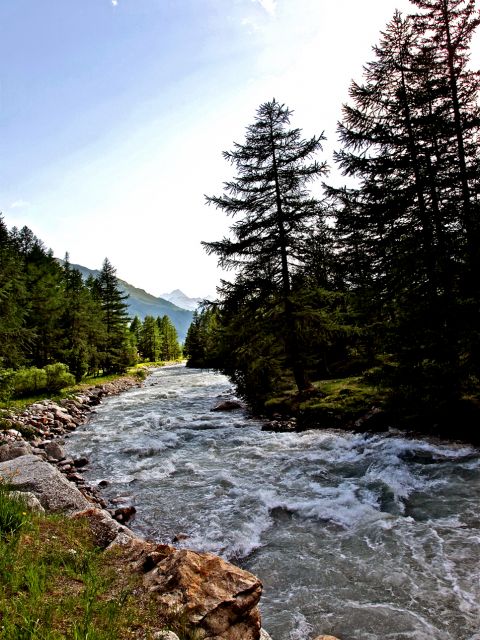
(332, 402)
(56, 585)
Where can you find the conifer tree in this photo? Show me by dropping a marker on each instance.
(272, 209)
(150, 340)
(400, 231)
(14, 337)
(170, 348)
(117, 349)
(81, 324)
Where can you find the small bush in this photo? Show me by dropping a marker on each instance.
(7, 386)
(58, 377)
(29, 381)
(140, 374)
(32, 381)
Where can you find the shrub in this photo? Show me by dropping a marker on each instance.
(6, 383)
(58, 377)
(29, 381)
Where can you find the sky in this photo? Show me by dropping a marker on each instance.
(114, 115)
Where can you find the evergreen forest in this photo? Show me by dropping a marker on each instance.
(56, 329)
(360, 303)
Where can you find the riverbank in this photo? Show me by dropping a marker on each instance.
(39, 428)
(357, 405)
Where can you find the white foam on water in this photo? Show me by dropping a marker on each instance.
(301, 627)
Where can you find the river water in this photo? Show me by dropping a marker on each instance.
(361, 536)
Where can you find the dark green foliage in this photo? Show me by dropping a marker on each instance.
(150, 341)
(169, 345)
(13, 302)
(81, 322)
(117, 351)
(202, 341)
(49, 315)
(274, 214)
(384, 276)
(405, 232)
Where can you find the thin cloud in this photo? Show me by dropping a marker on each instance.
(270, 6)
(19, 204)
(115, 3)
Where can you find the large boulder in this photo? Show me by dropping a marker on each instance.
(53, 490)
(217, 597)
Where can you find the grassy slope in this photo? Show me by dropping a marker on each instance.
(54, 583)
(332, 403)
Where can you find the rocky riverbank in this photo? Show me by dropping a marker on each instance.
(39, 429)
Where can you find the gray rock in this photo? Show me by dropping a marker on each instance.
(14, 450)
(227, 405)
(30, 500)
(165, 635)
(54, 450)
(55, 493)
(104, 528)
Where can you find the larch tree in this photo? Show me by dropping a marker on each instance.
(272, 208)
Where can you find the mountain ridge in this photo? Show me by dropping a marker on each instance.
(141, 303)
(181, 300)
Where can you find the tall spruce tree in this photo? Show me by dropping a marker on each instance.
(272, 209)
(150, 339)
(81, 323)
(170, 348)
(401, 228)
(117, 349)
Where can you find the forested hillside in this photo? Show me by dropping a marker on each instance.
(373, 286)
(56, 328)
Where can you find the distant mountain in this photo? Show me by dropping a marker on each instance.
(178, 298)
(141, 304)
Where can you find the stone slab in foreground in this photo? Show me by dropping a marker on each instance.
(53, 490)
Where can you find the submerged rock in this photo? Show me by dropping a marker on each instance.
(227, 405)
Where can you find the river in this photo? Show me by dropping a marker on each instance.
(366, 537)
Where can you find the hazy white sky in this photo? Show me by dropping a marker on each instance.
(114, 114)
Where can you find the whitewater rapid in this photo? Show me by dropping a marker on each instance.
(361, 536)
